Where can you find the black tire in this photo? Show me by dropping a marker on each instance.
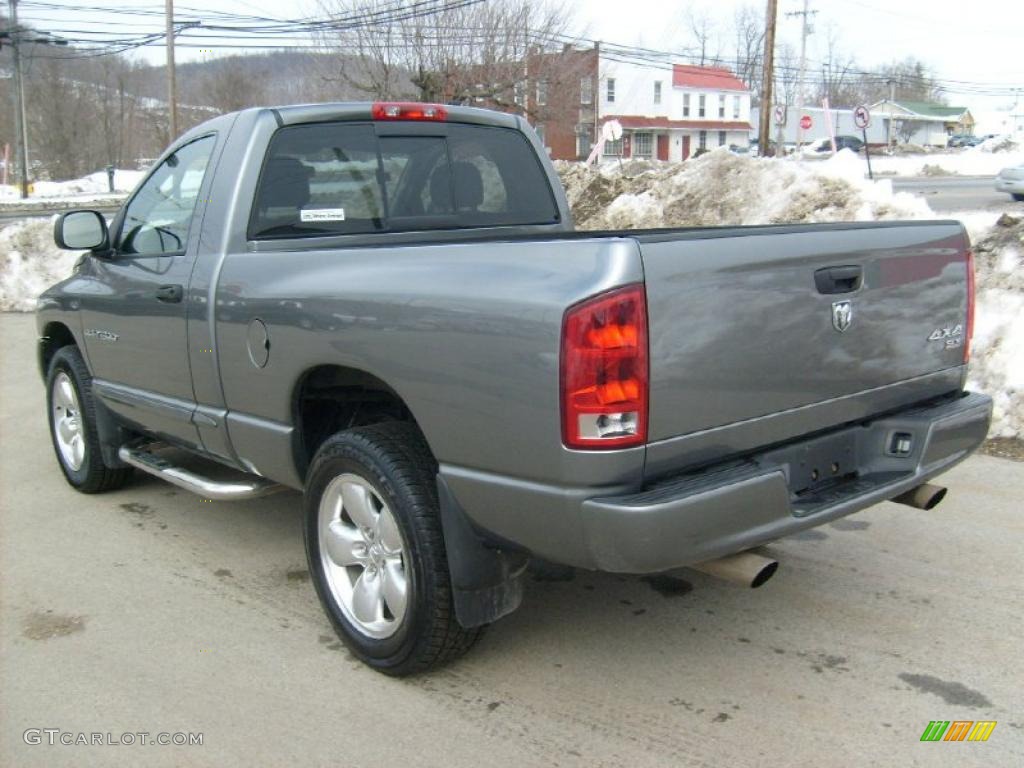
(92, 476)
(1018, 197)
(395, 460)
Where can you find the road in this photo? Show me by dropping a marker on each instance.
(150, 610)
(959, 193)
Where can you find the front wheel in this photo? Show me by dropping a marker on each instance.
(73, 430)
(376, 551)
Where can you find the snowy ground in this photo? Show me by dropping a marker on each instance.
(986, 159)
(92, 186)
(718, 189)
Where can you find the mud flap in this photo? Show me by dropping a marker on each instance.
(487, 581)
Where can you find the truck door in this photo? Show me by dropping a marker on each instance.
(134, 318)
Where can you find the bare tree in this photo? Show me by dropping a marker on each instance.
(62, 117)
(914, 82)
(114, 80)
(702, 30)
(461, 53)
(787, 67)
(905, 130)
(232, 83)
(840, 82)
(748, 31)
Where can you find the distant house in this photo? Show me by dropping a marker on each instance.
(922, 122)
(667, 111)
(671, 111)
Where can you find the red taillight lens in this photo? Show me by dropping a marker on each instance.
(969, 330)
(408, 110)
(604, 371)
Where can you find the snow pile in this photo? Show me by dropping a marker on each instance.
(997, 357)
(1004, 143)
(93, 184)
(721, 188)
(30, 263)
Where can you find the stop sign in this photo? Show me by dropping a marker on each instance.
(805, 122)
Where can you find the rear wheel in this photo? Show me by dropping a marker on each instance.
(376, 551)
(1018, 196)
(73, 430)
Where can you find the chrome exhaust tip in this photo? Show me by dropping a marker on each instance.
(747, 569)
(925, 496)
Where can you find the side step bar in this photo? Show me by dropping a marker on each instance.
(140, 457)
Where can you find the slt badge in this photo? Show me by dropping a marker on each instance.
(842, 315)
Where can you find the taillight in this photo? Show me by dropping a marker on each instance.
(408, 110)
(604, 371)
(969, 331)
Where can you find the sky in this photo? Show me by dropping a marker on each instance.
(973, 42)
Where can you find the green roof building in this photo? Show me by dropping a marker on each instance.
(922, 122)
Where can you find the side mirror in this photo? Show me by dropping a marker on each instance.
(81, 231)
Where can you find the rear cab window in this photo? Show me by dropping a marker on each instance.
(356, 178)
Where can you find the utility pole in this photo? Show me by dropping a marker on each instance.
(767, 77)
(21, 131)
(172, 86)
(892, 99)
(804, 32)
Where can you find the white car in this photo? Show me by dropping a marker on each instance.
(1011, 180)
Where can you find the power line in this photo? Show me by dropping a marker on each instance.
(239, 31)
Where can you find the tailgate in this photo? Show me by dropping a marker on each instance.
(754, 321)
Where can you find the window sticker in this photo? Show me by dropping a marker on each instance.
(322, 214)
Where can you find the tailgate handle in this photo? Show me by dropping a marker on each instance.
(838, 279)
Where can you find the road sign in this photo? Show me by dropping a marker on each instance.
(806, 122)
(779, 113)
(611, 131)
(861, 117)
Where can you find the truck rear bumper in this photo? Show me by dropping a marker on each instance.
(720, 510)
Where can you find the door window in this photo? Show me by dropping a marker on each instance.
(158, 217)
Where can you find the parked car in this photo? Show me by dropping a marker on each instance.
(964, 140)
(842, 142)
(385, 307)
(1011, 181)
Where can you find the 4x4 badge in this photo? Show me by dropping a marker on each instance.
(842, 315)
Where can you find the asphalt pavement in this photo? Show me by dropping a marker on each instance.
(148, 610)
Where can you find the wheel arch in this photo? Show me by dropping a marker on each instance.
(329, 398)
(54, 336)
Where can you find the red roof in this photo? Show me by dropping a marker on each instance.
(638, 121)
(712, 78)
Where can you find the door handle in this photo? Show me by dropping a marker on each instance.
(838, 279)
(171, 294)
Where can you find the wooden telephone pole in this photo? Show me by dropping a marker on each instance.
(767, 76)
(172, 86)
(21, 124)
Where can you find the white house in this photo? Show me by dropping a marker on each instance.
(921, 122)
(670, 111)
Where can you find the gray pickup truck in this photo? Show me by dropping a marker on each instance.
(385, 306)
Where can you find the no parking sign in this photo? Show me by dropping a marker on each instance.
(861, 117)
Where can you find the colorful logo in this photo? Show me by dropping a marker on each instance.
(958, 730)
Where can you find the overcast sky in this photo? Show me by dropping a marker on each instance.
(977, 42)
